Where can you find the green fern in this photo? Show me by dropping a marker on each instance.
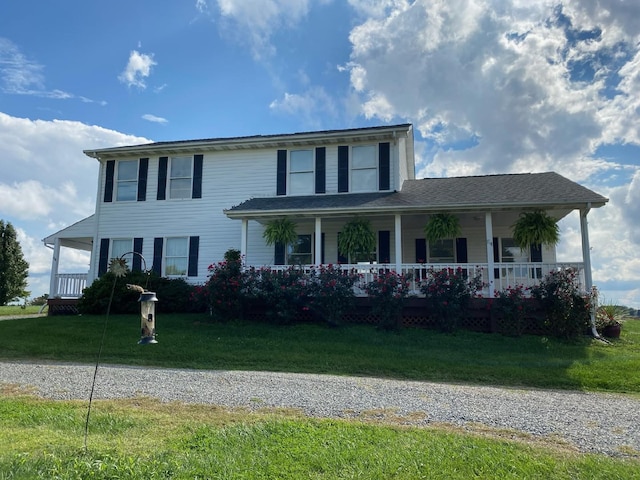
(280, 230)
(442, 225)
(537, 227)
(356, 237)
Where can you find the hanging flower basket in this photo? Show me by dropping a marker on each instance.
(535, 228)
(357, 237)
(280, 230)
(442, 225)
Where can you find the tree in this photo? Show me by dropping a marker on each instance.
(14, 269)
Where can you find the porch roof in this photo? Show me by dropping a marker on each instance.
(547, 190)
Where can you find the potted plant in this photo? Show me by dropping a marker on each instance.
(280, 230)
(356, 238)
(609, 319)
(442, 225)
(535, 228)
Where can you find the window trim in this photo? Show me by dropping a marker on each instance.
(289, 248)
(311, 190)
(453, 249)
(165, 257)
(128, 250)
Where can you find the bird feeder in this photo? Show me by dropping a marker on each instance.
(148, 317)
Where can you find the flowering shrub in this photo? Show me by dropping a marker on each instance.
(284, 292)
(449, 292)
(388, 291)
(224, 287)
(511, 304)
(331, 292)
(567, 309)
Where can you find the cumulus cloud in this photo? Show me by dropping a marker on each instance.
(47, 183)
(137, 70)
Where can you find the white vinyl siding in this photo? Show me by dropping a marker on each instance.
(127, 180)
(180, 177)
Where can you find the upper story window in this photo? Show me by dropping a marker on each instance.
(301, 172)
(176, 256)
(364, 169)
(180, 177)
(127, 180)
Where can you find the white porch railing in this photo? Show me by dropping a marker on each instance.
(504, 275)
(69, 285)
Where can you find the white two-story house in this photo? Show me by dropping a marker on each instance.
(182, 204)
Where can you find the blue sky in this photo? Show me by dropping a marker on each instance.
(491, 87)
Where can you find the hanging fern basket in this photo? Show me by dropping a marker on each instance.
(535, 228)
(357, 237)
(280, 230)
(442, 225)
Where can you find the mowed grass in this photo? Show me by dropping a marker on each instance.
(145, 439)
(193, 341)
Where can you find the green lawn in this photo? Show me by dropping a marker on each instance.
(191, 341)
(145, 439)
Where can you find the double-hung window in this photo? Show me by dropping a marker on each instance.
(301, 174)
(364, 168)
(180, 177)
(300, 252)
(442, 251)
(176, 256)
(122, 246)
(127, 180)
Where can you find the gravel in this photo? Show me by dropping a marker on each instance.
(587, 422)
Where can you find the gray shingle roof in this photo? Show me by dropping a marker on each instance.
(463, 193)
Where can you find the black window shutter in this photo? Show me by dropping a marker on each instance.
(108, 182)
(321, 169)
(384, 166)
(281, 180)
(103, 257)
(279, 253)
(136, 265)
(421, 250)
(461, 250)
(162, 178)
(196, 191)
(341, 257)
(194, 244)
(384, 246)
(496, 257)
(143, 170)
(536, 252)
(343, 168)
(157, 256)
(322, 248)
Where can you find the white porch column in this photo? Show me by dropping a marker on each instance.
(586, 260)
(244, 232)
(398, 232)
(318, 241)
(53, 280)
(488, 226)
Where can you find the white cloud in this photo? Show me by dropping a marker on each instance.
(137, 70)
(47, 183)
(152, 118)
(253, 23)
(315, 106)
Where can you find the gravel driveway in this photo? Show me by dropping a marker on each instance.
(589, 422)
